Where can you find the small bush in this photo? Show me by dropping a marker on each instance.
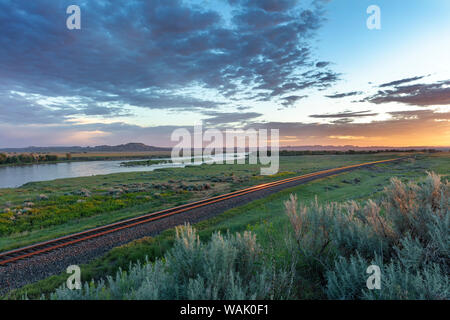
(226, 267)
(398, 282)
(311, 230)
(406, 235)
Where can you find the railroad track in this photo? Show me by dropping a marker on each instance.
(43, 247)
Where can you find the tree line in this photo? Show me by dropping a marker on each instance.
(337, 152)
(26, 158)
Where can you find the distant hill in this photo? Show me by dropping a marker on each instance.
(140, 147)
(129, 147)
(356, 148)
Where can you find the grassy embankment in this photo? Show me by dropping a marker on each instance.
(265, 217)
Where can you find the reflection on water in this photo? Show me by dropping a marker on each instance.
(11, 177)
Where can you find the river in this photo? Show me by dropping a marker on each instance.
(15, 176)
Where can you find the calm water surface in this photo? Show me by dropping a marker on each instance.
(11, 177)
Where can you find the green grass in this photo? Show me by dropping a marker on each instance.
(265, 217)
(62, 214)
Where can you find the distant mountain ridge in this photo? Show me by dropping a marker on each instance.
(141, 147)
(128, 147)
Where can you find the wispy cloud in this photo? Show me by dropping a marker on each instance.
(402, 81)
(227, 118)
(342, 95)
(291, 100)
(404, 128)
(424, 95)
(348, 114)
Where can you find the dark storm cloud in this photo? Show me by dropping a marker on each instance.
(416, 94)
(342, 95)
(348, 114)
(402, 81)
(143, 53)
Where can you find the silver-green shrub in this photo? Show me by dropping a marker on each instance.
(312, 226)
(360, 228)
(347, 281)
(407, 235)
(226, 267)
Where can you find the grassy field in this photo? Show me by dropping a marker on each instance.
(39, 211)
(265, 217)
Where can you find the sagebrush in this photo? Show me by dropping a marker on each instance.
(226, 267)
(406, 234)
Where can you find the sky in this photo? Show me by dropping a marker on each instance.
(138, 70)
